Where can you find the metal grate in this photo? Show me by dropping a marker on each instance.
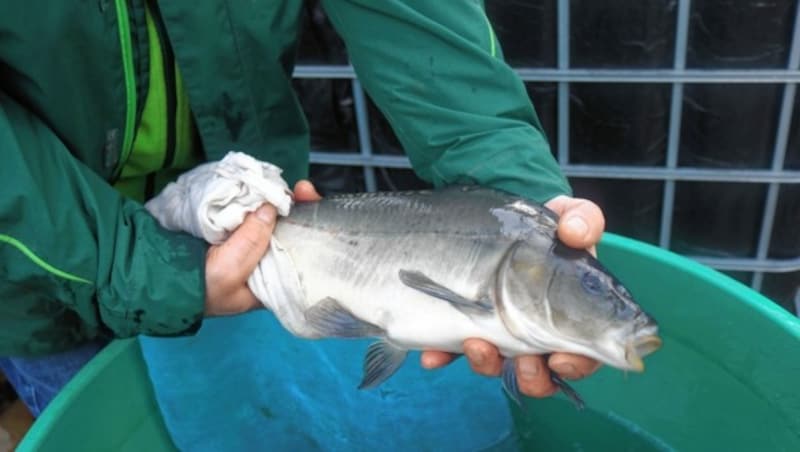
(564, 76)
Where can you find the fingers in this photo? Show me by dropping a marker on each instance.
(230, 264)
(484, 358)
(431, 359)
(304, 191)
(572, 367)
(533, 377)
(248, 244)
(240, 253)
(582, 222)
(533, 371)
(230, 303)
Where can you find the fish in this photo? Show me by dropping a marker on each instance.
(427, 269)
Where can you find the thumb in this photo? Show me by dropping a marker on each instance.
(243, 250)
(304, 191)
(581, 222)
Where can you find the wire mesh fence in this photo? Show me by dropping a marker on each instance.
(679, 118)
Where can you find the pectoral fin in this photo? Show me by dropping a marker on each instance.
(568, 391)
(510, 381)
(417, 280)
(511, 386)
(329, 318)
(382, 361)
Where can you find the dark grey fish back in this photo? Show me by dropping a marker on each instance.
(450, 211)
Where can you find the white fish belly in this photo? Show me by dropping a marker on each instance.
(362, 273)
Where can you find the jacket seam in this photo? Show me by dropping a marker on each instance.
(41, 262)
(130, 88)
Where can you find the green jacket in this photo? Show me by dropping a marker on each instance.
(78, 259)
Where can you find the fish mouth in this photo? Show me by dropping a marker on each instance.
(639, 348)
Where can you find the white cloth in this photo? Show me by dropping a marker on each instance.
(212, 200)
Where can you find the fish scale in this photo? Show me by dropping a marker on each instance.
(418, 211)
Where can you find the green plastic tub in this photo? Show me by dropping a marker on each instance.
(727, 378)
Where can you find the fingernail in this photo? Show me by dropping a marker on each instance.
(265, 214)
(578, 226)
(528, 370)
(477, 357)
(566, 370)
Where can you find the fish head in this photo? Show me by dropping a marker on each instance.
(565, 300)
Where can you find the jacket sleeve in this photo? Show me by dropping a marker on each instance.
(435, 70)
(67, 236)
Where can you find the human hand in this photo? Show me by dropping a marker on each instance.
(230, 264)
(581, 225)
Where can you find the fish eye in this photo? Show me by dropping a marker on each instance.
(591, 283)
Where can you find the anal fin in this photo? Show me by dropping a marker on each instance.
(381, 362)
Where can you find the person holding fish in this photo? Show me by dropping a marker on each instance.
(100, 107)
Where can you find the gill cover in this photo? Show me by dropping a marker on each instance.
(521, 289)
